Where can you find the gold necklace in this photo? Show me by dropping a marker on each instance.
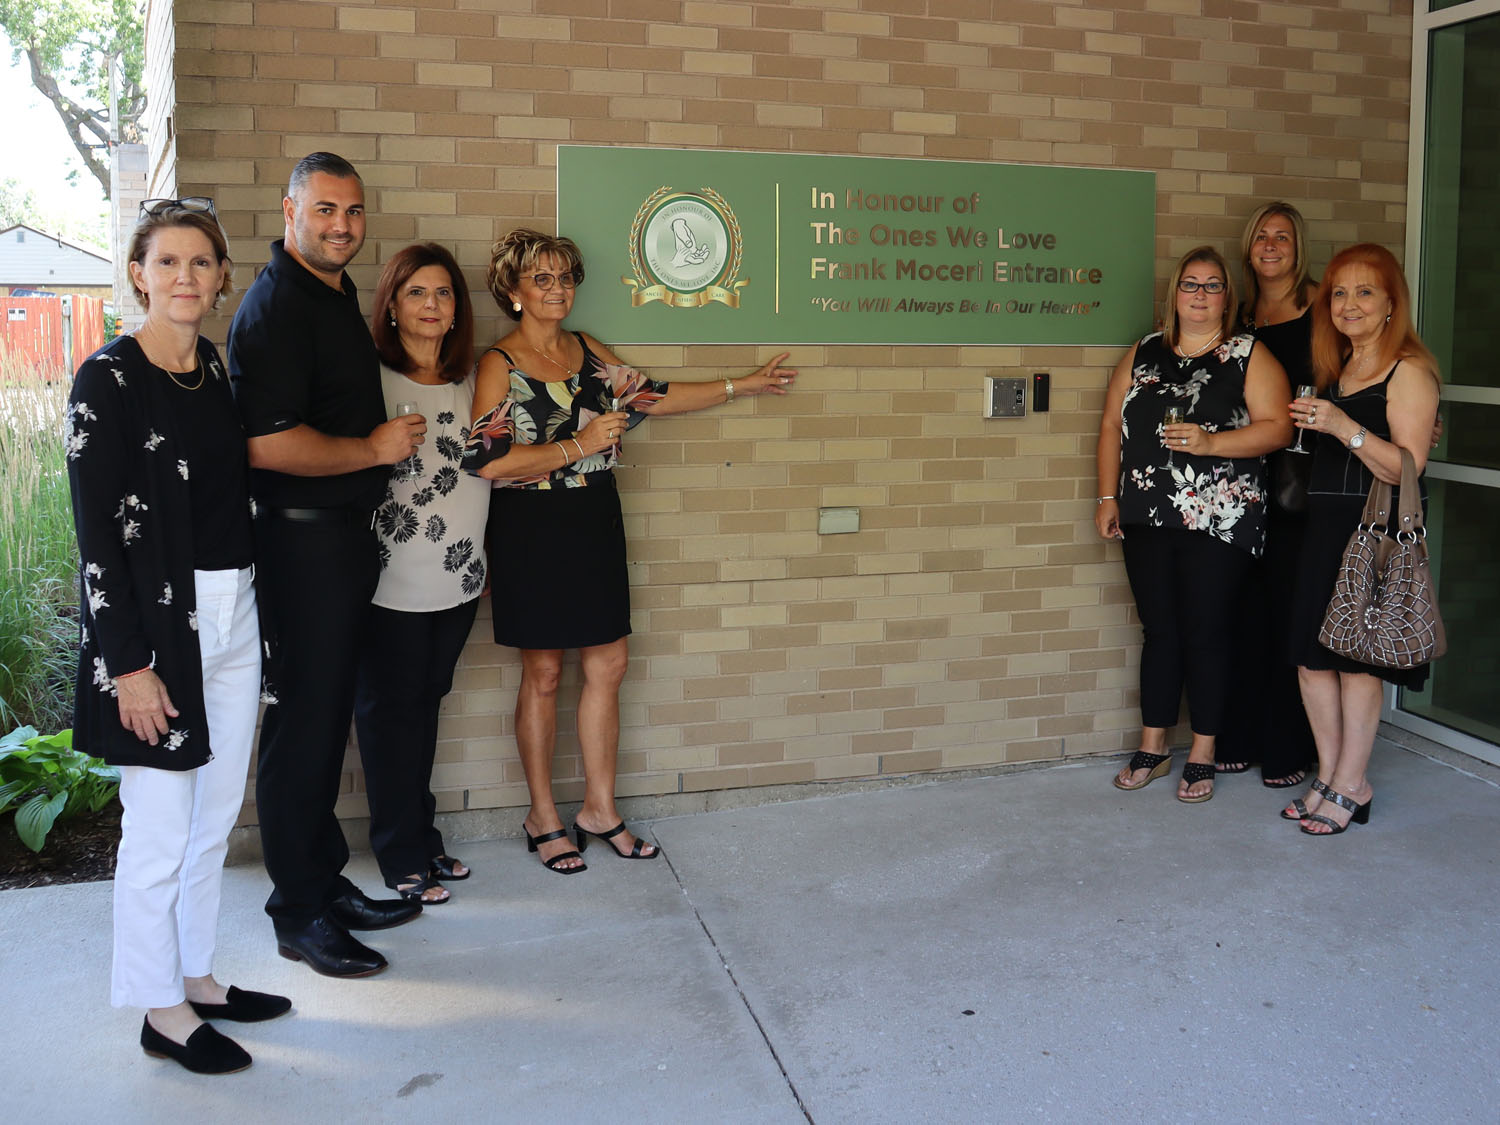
(172, 375)
(565, 370)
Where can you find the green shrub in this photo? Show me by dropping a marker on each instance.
(45, 780)
(38, 552)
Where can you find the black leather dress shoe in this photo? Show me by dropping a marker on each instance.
(244, 1006)
(328, 949)
(205, 1052)
(354, 910)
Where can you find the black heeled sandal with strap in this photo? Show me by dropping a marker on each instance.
(637, 852)
(1360, 813)
(1319, 787)
(533, 842)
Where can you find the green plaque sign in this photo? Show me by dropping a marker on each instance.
(690, 246)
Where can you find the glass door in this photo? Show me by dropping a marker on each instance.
(1452, 254)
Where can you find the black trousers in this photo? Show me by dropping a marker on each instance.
(317, 580)
(406, 669)
(1186, 586)
(1267, 723)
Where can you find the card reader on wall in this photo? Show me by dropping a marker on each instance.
(1004, 398)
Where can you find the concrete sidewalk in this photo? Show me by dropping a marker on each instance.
(1030, 946)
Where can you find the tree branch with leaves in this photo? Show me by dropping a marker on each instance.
(67, 45)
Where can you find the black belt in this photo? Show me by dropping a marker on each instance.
(359, 517)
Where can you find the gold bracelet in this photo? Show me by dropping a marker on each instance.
(728, 390)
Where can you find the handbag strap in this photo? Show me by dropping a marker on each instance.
(1378, 504)
(1411, 498)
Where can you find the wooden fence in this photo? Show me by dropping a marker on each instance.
(51, 334)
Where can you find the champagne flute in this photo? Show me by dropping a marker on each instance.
(1171, 417)
(1304, 390)
(406, 470)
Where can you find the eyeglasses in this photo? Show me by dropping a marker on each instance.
(154, 207)
(1214, 287)
(544, 281)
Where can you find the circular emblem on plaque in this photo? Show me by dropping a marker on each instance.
(685, 249)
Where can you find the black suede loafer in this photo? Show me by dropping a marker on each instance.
(205, 1052)
(354, 910)
(328, 949)
(244, 1007)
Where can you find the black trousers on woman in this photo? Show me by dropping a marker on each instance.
(1267, 723)
(1186, 586)
(406, 669)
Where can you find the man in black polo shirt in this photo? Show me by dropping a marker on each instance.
(307, 381)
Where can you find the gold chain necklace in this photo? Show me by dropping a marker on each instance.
(172, 375)
(565, 370)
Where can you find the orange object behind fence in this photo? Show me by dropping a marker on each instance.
(51, 335)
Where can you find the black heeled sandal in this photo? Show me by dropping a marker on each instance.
(1361, 813)
(552, 864)
(1159, 764)
(413, 887)
(636, 852)
(1319, 787)
(444, 867)
(1194, 772)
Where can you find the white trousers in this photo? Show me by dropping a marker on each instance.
(175, 831)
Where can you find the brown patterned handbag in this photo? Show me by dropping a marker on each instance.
(1384, 607)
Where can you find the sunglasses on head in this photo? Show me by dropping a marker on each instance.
(154, 207)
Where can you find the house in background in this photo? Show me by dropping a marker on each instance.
(38, 262)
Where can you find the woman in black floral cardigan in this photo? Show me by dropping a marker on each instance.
(170, 650)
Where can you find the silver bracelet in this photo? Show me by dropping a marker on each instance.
(728, 390)
(1102, 499)
(578, 446)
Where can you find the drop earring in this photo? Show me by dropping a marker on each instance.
(392, 318)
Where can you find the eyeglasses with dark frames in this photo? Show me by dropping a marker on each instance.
(154, 207)
(545, 281)
(1215, 287)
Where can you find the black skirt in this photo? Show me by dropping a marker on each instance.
(557, 566)
(1331, 520)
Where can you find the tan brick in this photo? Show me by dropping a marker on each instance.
(976, 619)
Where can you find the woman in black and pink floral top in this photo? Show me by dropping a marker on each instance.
(550, 409)
(1188, 499)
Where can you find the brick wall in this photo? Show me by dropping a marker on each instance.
(976, 619)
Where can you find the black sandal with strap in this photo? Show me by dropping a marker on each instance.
(532, 842)
(1361, 813)
(1194, 772)
(636, 852)
(413, 887)
(1159, 764)
(1296, 777)
(443, 867)
(1319, 787)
